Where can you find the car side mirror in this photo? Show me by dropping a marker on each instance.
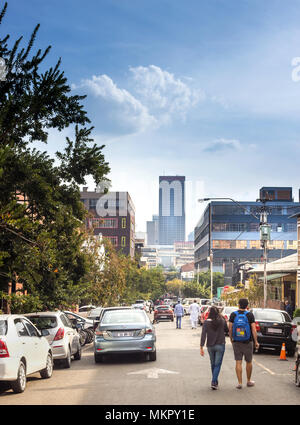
(45, 332)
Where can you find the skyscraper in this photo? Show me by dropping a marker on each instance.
(171, 209)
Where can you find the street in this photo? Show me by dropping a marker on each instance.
(180, 376)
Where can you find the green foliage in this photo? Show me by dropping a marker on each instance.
(22, 304)
(296, 313)
(41, 215)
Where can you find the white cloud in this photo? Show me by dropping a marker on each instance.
(155, 98)
(162, 93)
(121, 111)
(223, 145)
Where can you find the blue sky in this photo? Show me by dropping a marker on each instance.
(201, 88)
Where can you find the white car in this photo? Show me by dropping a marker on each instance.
(63, 336)
(24, 350)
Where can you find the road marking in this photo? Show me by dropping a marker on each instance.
(270, 371)
(152, 373)
(264, 367)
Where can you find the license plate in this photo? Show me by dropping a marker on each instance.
(163, 317)
(120, 334)
(274, 331)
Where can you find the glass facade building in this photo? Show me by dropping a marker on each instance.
(232, 232)
(171, 209)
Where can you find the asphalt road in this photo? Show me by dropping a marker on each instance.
(180, 376)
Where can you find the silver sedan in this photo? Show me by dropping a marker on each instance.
(125, 331)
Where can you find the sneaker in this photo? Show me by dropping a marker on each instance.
(250, 384)
(214, 386)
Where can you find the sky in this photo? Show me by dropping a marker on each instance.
(208, 89)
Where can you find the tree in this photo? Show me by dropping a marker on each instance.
(175, 287)
(41, 215)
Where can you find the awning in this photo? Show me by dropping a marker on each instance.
(274, 276)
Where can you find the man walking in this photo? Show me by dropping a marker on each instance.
(242, 333)
(179, 312)
(194, 314)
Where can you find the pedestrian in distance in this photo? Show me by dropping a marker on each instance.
(242, 334)
(214, 331)
(179, 313)
(288, 308)
(194, 314)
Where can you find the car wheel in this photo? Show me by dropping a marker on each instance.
(77, 355)
(152, 356)
(19, 385)
(98, 358)
(67, 360)
(47, 372)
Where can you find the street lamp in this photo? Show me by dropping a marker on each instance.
(264, 236)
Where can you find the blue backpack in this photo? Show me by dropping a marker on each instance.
(241, 330)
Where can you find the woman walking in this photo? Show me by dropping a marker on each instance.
(214, 329)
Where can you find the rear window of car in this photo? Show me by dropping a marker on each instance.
(163, 307)
(3, 327)
(123, 317)
(276, 316)
(44, 322)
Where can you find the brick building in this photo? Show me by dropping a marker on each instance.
(112, 215)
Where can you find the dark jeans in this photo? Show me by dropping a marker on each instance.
(178, 321)
(216, 353)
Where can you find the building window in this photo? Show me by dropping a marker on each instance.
(113, 240)
(123, 241)
(123, 223)
(103, 223)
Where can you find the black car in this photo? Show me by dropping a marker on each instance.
(274, 327)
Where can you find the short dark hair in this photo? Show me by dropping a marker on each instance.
(243, 303)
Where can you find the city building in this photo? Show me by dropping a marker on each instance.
(233, 234)
(184, 253)
(187, 272)
(113, 215)
(152, 231)
(149, 257)
(171, 226)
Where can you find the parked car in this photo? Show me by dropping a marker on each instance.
(23, 350)
(227, 310)
(203, 314)
(85, 327)
(163, 312)
(85, 310)
(140, 304)
(86, 323)
(125, 331)
(105, 310)
(95, 313)
(274, 327)
(63, 336)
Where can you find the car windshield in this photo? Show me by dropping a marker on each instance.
(275, 316)
(118, 317)
(139, 302)
(3, 327)
(43, 322)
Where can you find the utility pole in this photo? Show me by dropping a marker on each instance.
(211, 252)
(265, 230)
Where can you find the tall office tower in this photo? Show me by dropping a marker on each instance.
(171, 209)
(152, 231)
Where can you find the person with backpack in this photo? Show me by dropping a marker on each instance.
(242, 333)
(214, 330)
